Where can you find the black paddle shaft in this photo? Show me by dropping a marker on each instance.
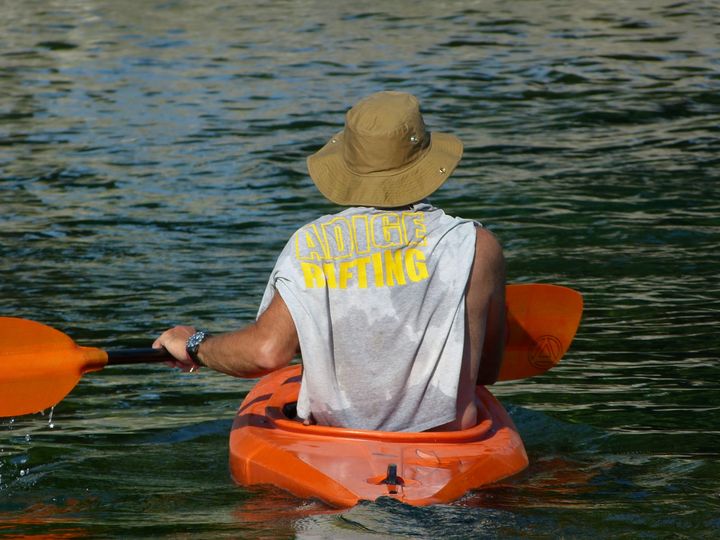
(137, 356)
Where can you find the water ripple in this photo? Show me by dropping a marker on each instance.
(152, 166)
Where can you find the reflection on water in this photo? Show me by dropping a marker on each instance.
(152, 166)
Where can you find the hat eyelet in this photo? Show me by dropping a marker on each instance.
(442, 170)
(414, 139)
(333, 141)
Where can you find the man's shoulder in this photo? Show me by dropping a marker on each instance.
(488, 247)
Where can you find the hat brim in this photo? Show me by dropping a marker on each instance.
(386, 189)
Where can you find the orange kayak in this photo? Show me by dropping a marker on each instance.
(343, 466)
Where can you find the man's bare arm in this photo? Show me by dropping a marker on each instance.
(487, 289)
(268, 344)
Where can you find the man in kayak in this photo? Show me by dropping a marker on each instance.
(398, 308)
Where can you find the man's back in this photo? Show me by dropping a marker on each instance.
(378, 301)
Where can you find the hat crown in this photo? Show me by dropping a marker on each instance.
(384, 132)
(384, 157)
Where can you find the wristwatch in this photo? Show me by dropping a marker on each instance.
(193, 344)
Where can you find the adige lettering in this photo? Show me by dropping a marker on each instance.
(380, 250)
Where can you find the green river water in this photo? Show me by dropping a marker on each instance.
(152, 165)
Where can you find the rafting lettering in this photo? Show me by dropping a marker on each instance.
(386, 268)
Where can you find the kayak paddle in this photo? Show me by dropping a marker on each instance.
(541, 324)
(41, 365)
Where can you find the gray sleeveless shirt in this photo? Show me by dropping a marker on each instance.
(378, 300)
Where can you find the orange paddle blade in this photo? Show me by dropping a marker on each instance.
(39, 366)
(541, 324)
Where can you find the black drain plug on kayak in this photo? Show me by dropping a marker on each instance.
(392, 480)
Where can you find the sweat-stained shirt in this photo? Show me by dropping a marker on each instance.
(378, 300)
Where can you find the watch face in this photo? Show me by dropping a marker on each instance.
(195, 339)
(193, 343)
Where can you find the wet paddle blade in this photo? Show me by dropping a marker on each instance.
(542, 321)
(40, 366)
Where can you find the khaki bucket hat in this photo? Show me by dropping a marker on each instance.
(384, 157)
